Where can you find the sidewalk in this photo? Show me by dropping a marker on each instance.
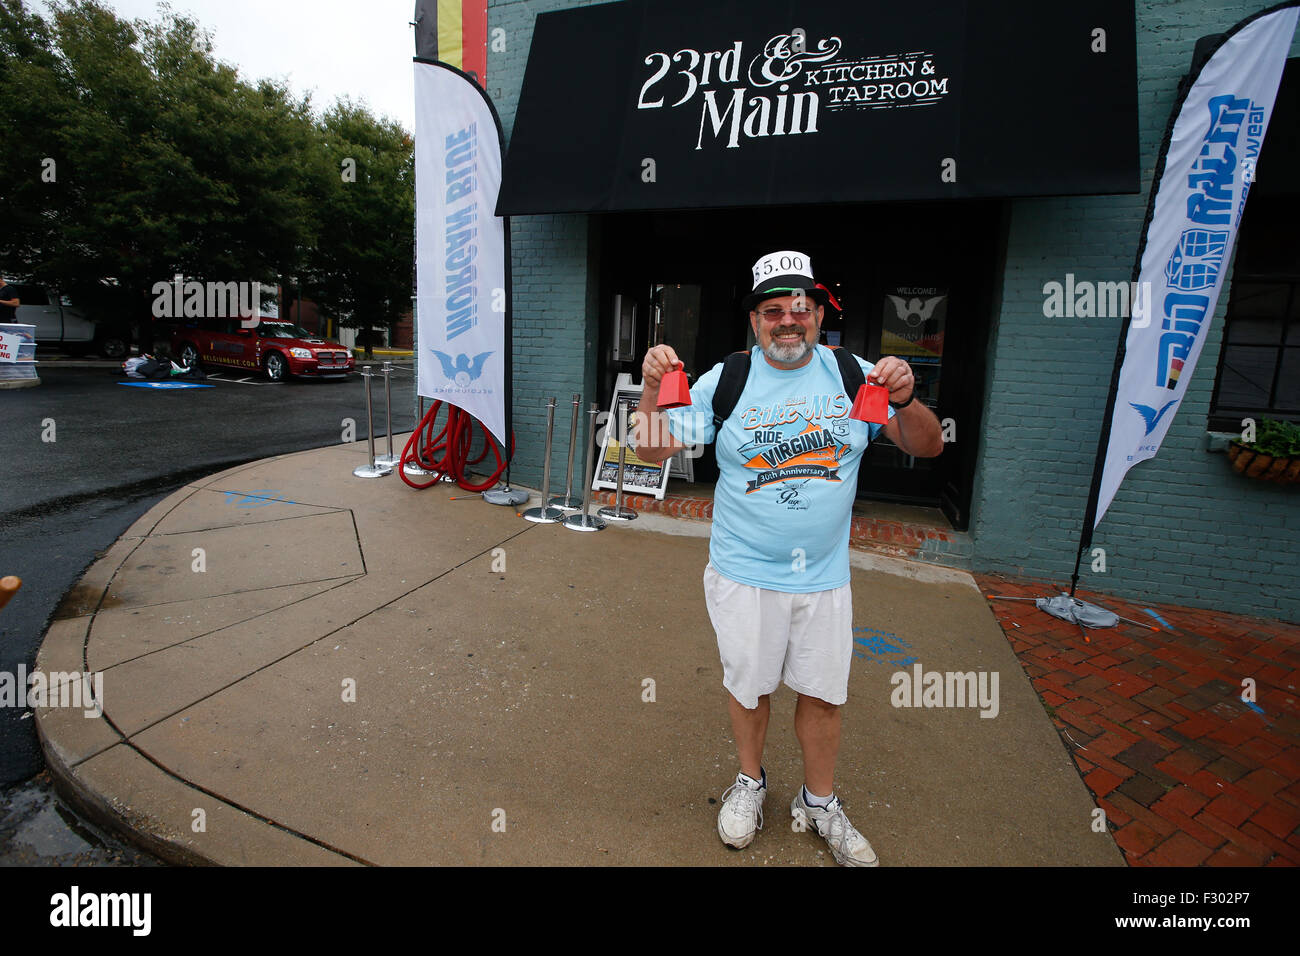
(364, 673)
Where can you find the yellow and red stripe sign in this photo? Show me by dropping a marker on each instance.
(462, 36)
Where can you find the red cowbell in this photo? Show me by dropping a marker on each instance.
(871, 405)
(674, 390)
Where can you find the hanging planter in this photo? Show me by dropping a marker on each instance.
(1273, 456)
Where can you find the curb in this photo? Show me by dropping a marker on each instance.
(136, 829)
(78, 363)
(99, 811)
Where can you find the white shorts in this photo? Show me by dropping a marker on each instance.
(766, 637)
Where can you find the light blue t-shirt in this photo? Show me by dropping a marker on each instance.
(788, 461)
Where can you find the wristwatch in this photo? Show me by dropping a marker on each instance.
(910, 399)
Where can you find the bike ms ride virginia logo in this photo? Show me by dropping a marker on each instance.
(800, 439)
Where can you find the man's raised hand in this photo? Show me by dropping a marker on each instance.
(896, 375)
(652, 440)
(659, 361)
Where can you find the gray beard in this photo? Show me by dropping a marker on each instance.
(788, 354)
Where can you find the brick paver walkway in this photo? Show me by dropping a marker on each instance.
(902, 539)
(1187, 772)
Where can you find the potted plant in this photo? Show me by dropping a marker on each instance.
(1274, 455)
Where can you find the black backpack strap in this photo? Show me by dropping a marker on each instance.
(735, 372)
(851, 373)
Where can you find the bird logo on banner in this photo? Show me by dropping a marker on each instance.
(463, 370)
(1150, 415)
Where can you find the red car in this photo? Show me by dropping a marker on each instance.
(279, 348)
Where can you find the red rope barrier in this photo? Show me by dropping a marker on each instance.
(448, 452)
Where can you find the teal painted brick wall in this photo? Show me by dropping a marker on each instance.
(1183, 527)
(555, 311)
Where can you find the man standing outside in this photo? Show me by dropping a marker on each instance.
(8, 301)
(777, 582)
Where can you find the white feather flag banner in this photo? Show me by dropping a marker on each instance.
(1200, 196)
(460, 248)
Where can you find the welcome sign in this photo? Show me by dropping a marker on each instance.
(682, 105)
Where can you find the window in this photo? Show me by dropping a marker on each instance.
(1259, 363)
(1259, 367)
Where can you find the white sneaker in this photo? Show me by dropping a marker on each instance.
(742, 811)
(848, 846)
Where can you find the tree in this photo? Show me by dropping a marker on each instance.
(167, 162)
(360, 268)
(37, 93)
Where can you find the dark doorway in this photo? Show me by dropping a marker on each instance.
(916, 280)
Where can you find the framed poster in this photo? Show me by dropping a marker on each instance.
(639, 477)
(913, 322)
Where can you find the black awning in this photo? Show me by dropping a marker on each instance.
(678, 104)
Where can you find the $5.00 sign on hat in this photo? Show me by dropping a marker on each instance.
(786, 273)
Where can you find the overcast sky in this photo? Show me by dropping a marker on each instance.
(329, 48)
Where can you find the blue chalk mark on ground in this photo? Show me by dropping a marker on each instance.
(167, 385)
(1254, 706)
(1158, 618)
(882, 647)
(256, 499)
